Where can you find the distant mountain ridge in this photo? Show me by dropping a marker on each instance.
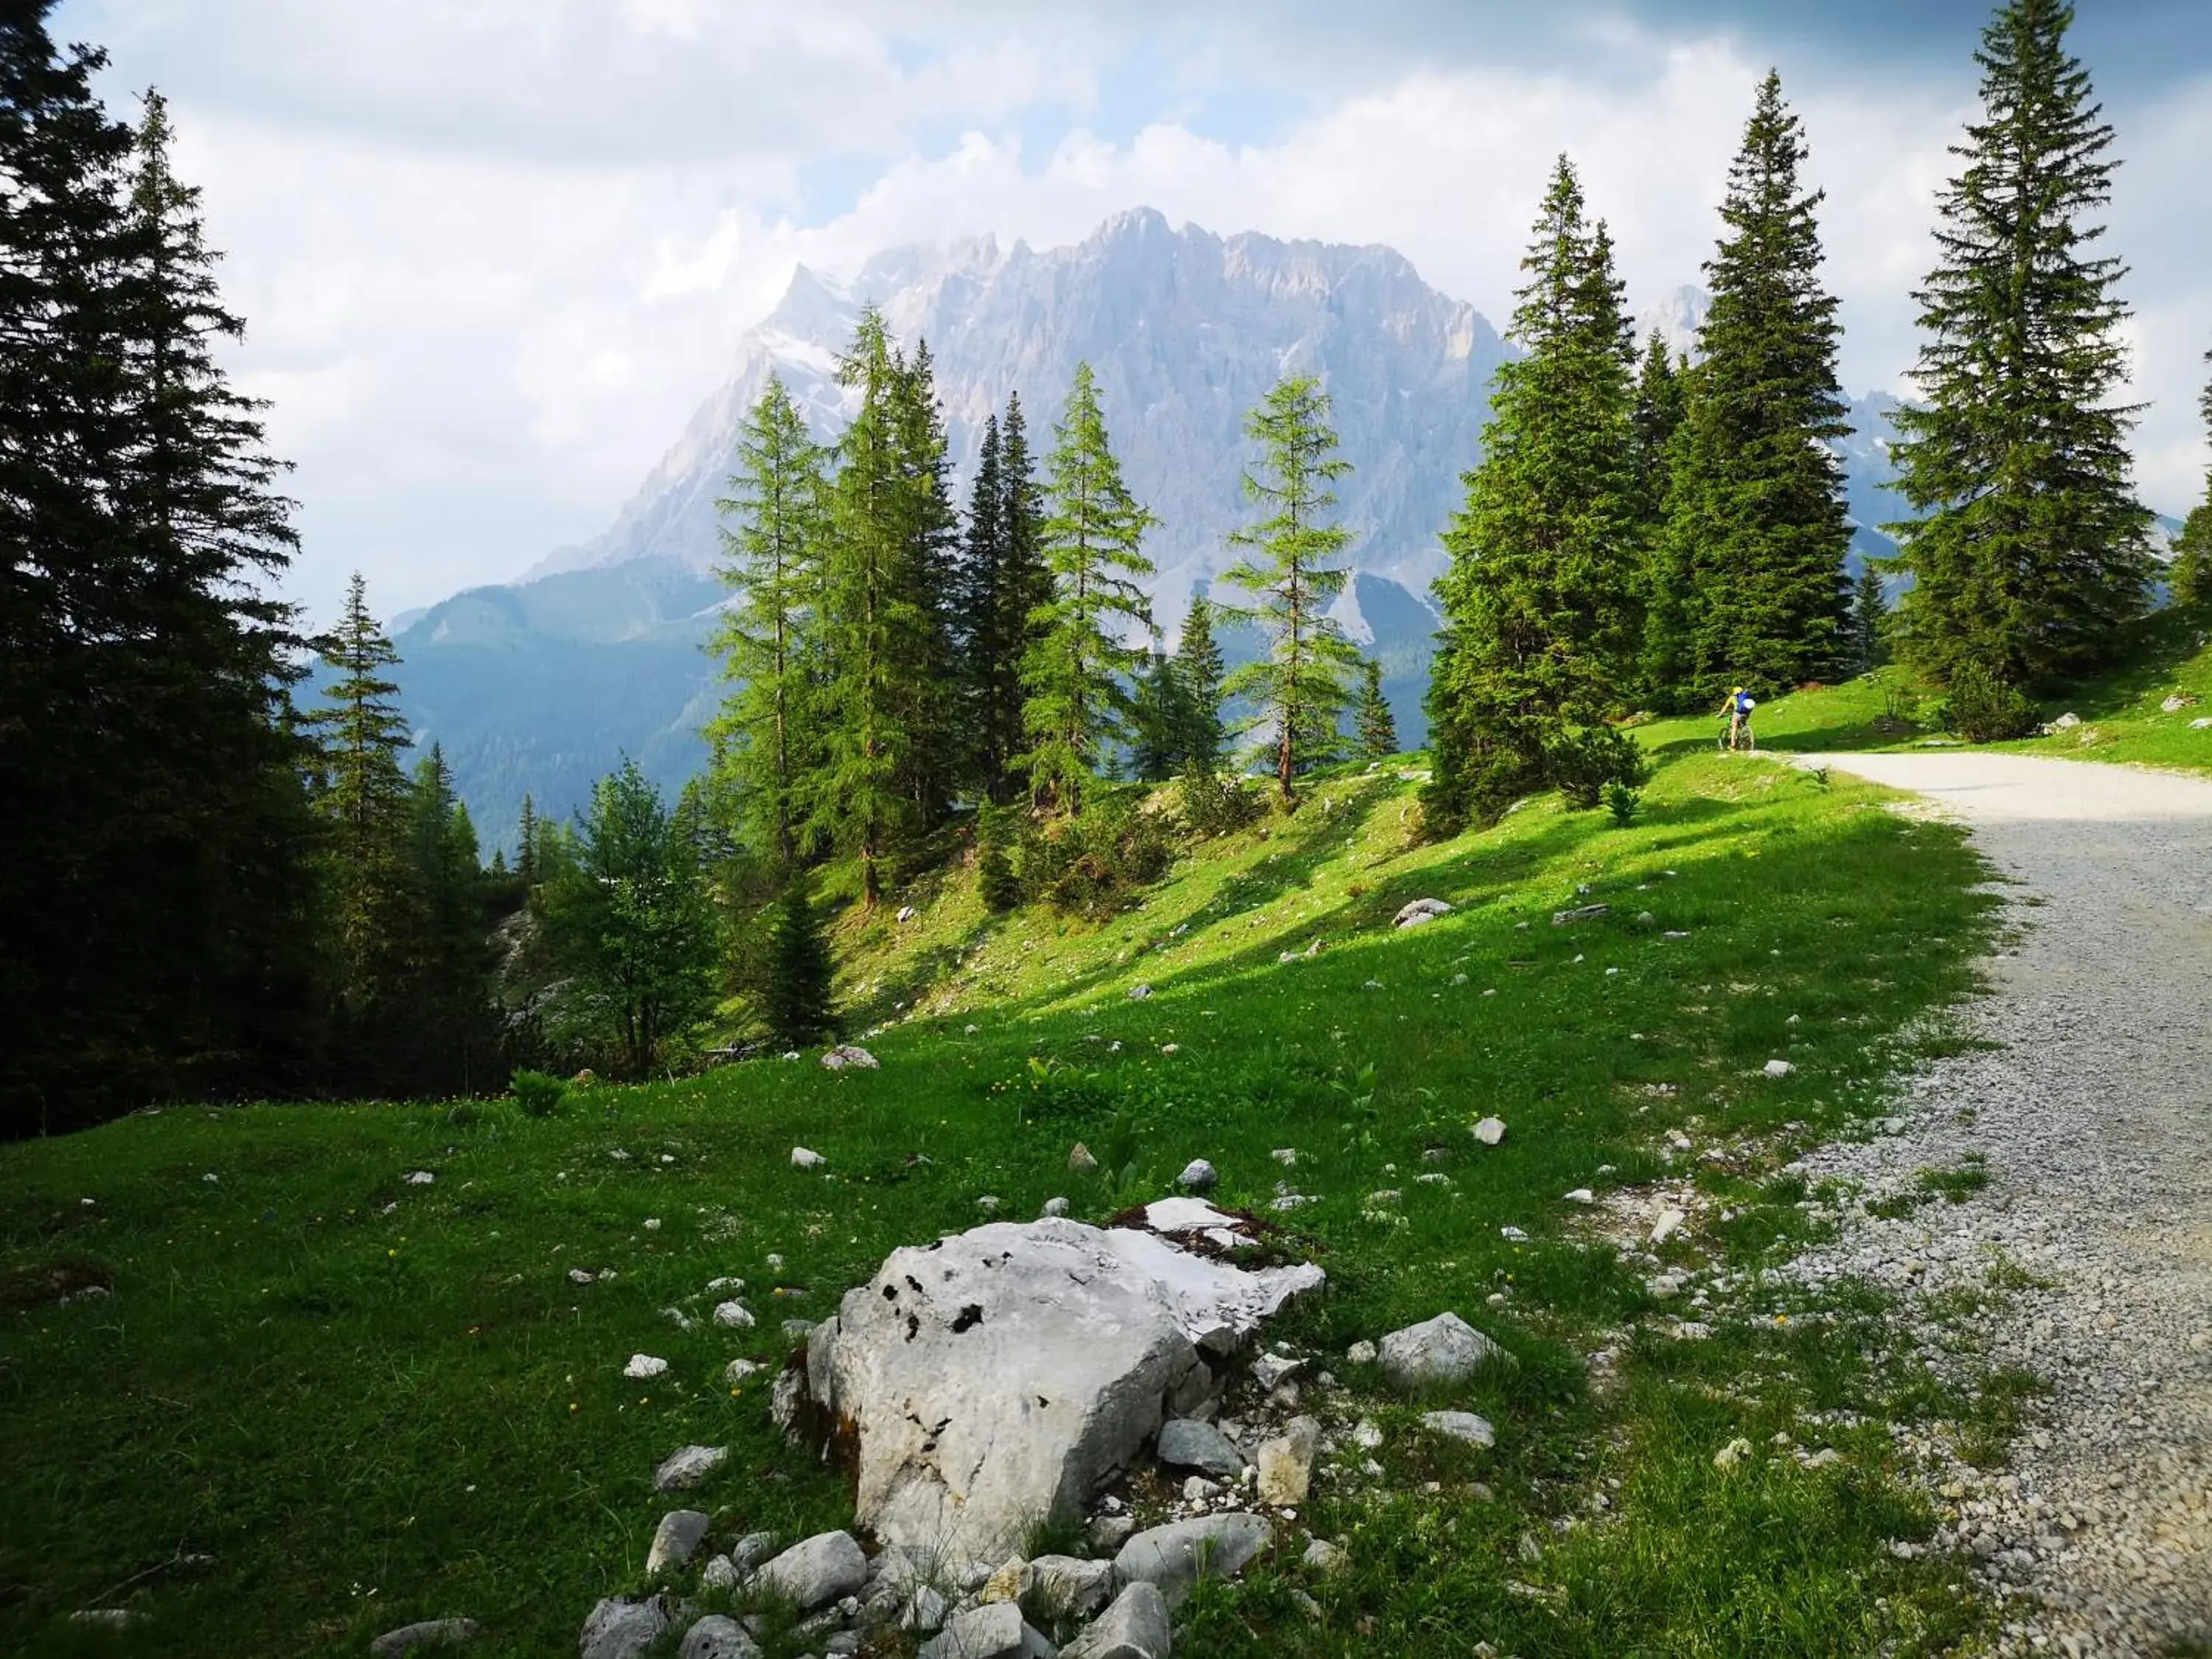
(543, 684)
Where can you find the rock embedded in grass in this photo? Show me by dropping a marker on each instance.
(816, 1573)
(1779, 1068)
(687, 1466)
(422, 1637)
(1140, 993)
(1582, 912)
(1669, 1223)
(1420, 911)
(1437, 1352)
(1582, 1195)
(1324, 1558)
(1490, 1131)
(804, 1157)
(1066, 1587)
(1081, 1160)
(1056, 1206)
(643, 1367)
(718, 1637)
(675, 1540)
(1286, 1462)
(620, 1628)
(1464, 1426)
(996, 1631)
(1135, 1626)
(1198, 1176)
(849, 1056)
(1175, 1557)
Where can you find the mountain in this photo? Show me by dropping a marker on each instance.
(542, 685)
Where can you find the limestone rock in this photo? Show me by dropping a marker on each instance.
(1011, 1372)
(995, 1632)
(1323, 1557)
(1186, 1444)
(1584, 913)
(1006, 1583)
(720, 1573)
(1140, 993)
(675, 1540)
(1669, 1223)
(1461, 1425)
(643, 1367)
(805, 1157)
(1056, 1206)
(1081, 1160)
(618, 1628)
(1437, 1352)
(718, 1637)
(732, 1317)
(1286, 1462)
(1779, 1068)
(687, 1466)
(1175, 1556)
(1065, 1586)
(752, 1549)
(817, 1572)
(1732, 1453)
(418, 1637)
(1361, 1353)
(1490, 1131)
(1134, 1627)
(1198, 1176)
(851, 1056)
(1420, 910)
(1107, 1533)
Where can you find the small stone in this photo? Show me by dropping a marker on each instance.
(1490, 1131)
(582, 1276)
(1438, 1351)
(1464, 1426)
(1513, 1235)
(752, 1549)
(1174, 1556)
(1732, 1453)
(1420, 911)
(1822, 1458)
(428, 1634)
(1063, 1587)
(738, 1370)
(1197, 1489)
(796, 1330)
(1081, 1160)
(1286, 1462)
(804, 1157)
(1323, 1557)
(675, 1541)
(1007, 1582)
(1286, 1156)
(732, 1316)
(643, 1366)
(720, 1573)
(1779, 1068)
(1582, 1195)
(1056, 1206)
(988, 1203)
(1140, 993)
(927, 1609)
(1584, 913)
(687, 1467)
(817, 1572)
(1198, 1176)
(997, 1631)
(1669, 1223)
(1186, 1444)
(1108, 1532)
(848, 1055)
(718, 1637)
(618, 1628)
(1272, 1370)
(1134, 1627)
(1361, 1353)
(420, 1177)
(906, 913)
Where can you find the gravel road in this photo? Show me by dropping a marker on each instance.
(2094, 1116)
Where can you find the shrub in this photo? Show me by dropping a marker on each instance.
(1622, 801)
(538, 1094)
(1092, 865)
(1213, 803)
(996, 884)
(1582, 763)
(1984, 706)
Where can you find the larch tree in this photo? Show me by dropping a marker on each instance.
(1076, 673)
(2029, 553)
(765, 736)
(1757, 527)
(1291, 564)
(1540, 600)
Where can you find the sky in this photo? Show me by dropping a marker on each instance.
(492, 253)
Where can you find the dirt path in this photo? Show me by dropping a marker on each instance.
(2094, 1114)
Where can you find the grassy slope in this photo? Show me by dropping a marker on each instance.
(371, 1402)
(2121, 717)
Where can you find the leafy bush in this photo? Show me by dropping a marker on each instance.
(996, 884)
(1092, 865)
(1984, 706)
(1214, 803)
(538, 1094)
(1622, 801)
(1582, 763)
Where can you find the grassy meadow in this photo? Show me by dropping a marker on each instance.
(261, 1387)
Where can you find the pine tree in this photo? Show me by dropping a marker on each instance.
(1540, 598)
(796, 1004)
(1025, 589)
(988, 662)
(765, 735)
(1662, 401)
(2190, 573)
(526, 843)
(1290, 567)
(444, 1037)
(1200, 674)
(927, 687)
(2030, 556)
(1160, 722)
(875, 637)
(1078, 705)
(1866, 638)
(1377, 726)
(1757, 528)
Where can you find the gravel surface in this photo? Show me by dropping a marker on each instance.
(2093, 1116)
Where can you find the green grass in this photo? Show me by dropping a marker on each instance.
(370, 1401)
(2123, 717)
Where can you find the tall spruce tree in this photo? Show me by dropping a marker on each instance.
(1376, 726)
(988, 661)
(876, 638)
(2190, 573)
(1076, 671)
(1867, 646)
(1757, 528)
(155, 869)
(796, 1003)
(939, 755)
(1200, 674)
(2030, 554)
(1160, 722)
(1292, 567)
(765, 736)
(449, 1038)
(1662, 401)
(1540, 598)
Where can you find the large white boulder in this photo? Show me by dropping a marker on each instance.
(1008, 1374)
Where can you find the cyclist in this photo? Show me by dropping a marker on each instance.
(1738, 708)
